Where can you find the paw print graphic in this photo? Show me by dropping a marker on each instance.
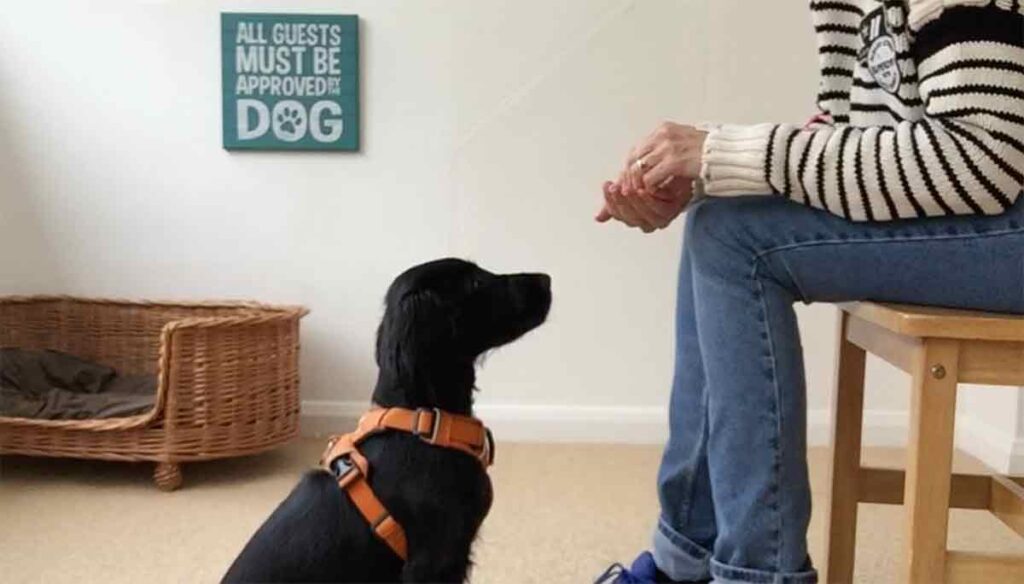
(289, 120)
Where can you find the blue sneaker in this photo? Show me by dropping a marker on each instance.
(643, 571)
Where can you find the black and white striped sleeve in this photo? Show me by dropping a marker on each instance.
(965, 156)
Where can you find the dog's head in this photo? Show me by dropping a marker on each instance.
(440, 316)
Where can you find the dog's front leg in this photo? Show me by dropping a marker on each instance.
(442, 559)
(441, 538)
(424, 570)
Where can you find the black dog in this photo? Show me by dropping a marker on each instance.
(439, 318)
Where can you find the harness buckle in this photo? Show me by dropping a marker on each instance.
(345, 470)
(434, 426)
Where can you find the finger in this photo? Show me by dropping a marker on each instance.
(631, 214)
(611, 204)
(646, 156)
(643, 148)
(675, 189)
(657, 212)
(623, 182)
(671, 209)
(647, 209)
(615, 205)
(676, 197)
(667, 210)
(610, 190)
(665, 184)
(661, 173)
(617, 188)
(652, 160)
(639, 152)
(624, 186)
(604, 214)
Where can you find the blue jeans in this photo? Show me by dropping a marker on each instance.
(733, 485)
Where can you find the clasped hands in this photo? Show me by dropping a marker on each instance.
(657, 183)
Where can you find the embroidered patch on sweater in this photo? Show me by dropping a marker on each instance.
(878, 52)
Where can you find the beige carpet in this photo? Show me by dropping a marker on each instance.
(561, 514)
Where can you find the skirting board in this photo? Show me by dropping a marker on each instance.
(999, 451)
(649, 425)
(594, 424)
(630, 425)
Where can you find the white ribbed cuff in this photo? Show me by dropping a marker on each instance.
(734, 161)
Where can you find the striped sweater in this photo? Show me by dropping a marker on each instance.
(923, 109)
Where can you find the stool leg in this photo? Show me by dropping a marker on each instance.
(930, 460)
(847, 419)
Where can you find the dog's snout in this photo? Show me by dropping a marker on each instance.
(533, 284)
(538, 279)
(534, 291)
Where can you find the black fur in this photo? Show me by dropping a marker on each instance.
(439, 318)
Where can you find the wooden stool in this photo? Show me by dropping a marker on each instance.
(940, 348)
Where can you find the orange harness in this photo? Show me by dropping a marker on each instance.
(351, 469)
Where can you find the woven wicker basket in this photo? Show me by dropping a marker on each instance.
(227, 373)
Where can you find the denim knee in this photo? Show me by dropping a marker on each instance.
(719, 235)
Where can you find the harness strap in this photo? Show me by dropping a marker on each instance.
(351, 469)
(433, 426)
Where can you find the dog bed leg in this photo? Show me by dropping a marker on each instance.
(167, 476)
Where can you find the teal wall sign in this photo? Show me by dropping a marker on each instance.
(290, 81)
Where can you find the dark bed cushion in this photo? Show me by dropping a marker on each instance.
(52, 385)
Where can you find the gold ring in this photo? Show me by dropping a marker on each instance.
(641, 163)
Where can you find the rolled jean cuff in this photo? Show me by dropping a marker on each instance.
(678, 557)
(724, 574)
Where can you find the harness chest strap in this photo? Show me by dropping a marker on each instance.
(351, 469)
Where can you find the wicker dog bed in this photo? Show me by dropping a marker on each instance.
(227, 378)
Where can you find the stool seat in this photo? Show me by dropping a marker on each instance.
(926, 321)
(941, 348)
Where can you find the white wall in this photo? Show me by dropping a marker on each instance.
(488, 127)
(26, 262)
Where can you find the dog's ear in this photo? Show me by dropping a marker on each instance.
(414, 327)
